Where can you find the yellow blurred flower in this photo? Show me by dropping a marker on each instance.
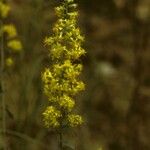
(4, 9)
(10, 30)
(15, 45)
(9, 62)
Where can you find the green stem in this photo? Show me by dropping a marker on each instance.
(2, 92)
(61, 139)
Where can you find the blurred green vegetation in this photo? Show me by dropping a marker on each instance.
(116, 103)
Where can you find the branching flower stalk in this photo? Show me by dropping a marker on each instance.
(61, 79)
(8, 44)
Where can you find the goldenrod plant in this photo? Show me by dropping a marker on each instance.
(9, 44)
(61, 79)
(8, 32)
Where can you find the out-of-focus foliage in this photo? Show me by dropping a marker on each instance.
(116, 103)
(8, 35)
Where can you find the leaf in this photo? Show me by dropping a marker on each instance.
(68, 146)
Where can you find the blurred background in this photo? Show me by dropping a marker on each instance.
(116, 102)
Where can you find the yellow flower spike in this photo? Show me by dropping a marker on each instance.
(9, 62)
(15, 45)
(10, 30)
(4, 10)
(61, 80)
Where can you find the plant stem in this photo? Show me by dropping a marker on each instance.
(2, 92)
(60, 139)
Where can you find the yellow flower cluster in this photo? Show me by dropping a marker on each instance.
(66, 103)
(13, 44)
(66, 40)
(4, 9)
(61, 80)
(51, 116)
(74, 120)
